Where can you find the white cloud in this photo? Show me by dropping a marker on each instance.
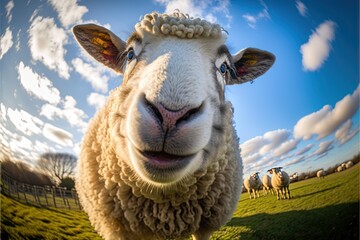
(199, 9)
(9, 6)
(19, 145)
(6, 42)
(345, 133)
(286, 147)
(38, 86)
(34, 14)
(266, 143)
(93, 74)
(263, 151)
(274, 139)
(301, 8)
(17, 46)
(25, 122)
(252, 146)
(295, 160)
(58, 135)
(46, 42)
(252, 158)
(324, 147)
(69, 11)
(327, 120)
(41, 147)
(77, 148)
(304, 150)
(97, 100)
(3, 111)
(69, 112)
(262, 15)
(317, 49)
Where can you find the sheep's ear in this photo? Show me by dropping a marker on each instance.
(250, 63)
(101, 44)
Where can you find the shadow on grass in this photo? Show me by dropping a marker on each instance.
(331, 222)
(316, 192)
(296, 188)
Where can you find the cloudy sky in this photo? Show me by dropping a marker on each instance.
(302, 114)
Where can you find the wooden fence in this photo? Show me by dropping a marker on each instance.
(47, 196)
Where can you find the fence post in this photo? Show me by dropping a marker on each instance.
(53, 190)
(46, 188)
(62, 195)
(35, 193)
(75, 196)
(17, 190)
(24, 192)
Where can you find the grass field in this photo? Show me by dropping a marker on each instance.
(320, 209)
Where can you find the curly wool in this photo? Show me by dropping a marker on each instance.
(178, 24)
(117, 199)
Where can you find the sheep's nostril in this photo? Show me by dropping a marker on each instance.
(189, 114)
(169, 118)
(153, 110)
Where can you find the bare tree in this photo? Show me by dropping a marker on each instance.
(57, 165)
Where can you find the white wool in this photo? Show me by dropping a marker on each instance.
(179, 25)
(320, 173)
(169, 111)
(280, 181)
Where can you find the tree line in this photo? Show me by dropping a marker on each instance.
(51, 169)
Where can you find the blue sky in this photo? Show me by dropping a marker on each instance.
(302, 114)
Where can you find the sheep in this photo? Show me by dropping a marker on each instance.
(252, 185)
(349, 164)
(321, 173)
(267, 187)
(294, 177)
(341, 168)
(280, 181)
(161, 159)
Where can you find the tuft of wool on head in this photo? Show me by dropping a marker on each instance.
(179, 25)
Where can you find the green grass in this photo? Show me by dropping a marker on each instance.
(320, 209)
(21, 221)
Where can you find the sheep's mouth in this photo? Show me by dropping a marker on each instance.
(164, 161)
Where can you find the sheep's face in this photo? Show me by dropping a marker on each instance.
(175, 107)
(256, 177)
(277, 171)
(175, 95)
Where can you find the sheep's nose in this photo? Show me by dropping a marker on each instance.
(169, 118)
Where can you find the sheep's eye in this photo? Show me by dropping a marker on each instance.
(223, 68)
(130, 54)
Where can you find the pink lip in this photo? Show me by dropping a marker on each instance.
(163, 160)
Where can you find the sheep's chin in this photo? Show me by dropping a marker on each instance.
(159, 168)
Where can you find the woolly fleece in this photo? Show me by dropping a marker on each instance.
(121, 205)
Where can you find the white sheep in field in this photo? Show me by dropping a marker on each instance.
(252, 185)
(321, 173)
(280, 181)
(341, 168)
(161, 159)
(267, 187)
(349, 164)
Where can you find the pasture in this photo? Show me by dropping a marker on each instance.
(320, 209)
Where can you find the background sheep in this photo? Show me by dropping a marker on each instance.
(252, 185)
(161, 159)
(321, 173)
(294, 177)
(280, 181)
(349, 164)
(341, 168)
(267, 187)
